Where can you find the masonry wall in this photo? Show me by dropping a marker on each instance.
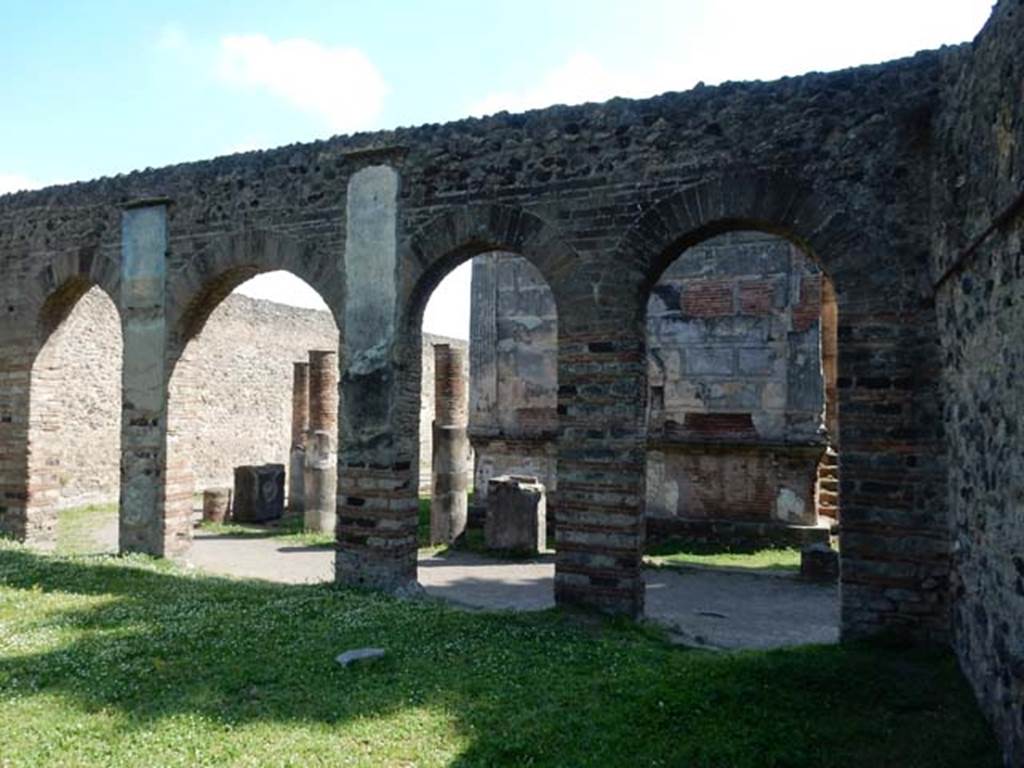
(736, 403)
(979, 269)
(513, 375)
(231, 391)
(75, 426)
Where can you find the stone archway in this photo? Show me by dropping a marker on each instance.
(889, 467)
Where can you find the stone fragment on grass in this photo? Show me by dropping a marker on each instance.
(359, 654)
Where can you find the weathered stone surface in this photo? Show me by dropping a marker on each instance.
(320, 470)
(228, 401)
(258, 494)
(153, 520)
(819, 562)
(451, 462)
(75, 427)
(216, 505)
(513, 372)
(516, 515)
(231, 391)
(734, 327)
(977, 257)
(427, 405)
(300, 425)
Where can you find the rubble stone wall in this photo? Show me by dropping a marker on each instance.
(232, 390)
(978, 267)
(734, 363)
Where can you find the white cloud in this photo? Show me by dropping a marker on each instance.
(12, 182)
(339, 85)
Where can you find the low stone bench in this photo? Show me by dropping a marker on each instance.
(516, 515)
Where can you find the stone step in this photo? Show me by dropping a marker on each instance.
(828, 497)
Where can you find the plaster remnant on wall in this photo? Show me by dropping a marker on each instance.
(789, 507)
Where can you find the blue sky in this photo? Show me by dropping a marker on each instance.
(94, 88)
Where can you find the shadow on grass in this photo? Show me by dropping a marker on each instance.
(249, 666)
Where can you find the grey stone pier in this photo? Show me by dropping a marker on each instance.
(145, 525)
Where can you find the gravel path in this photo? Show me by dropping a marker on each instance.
(702, 606)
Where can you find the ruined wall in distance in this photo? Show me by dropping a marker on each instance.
(75, 416)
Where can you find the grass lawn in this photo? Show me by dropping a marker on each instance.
(76, 527)
(111, 661)
(288, 529)
(680, 552)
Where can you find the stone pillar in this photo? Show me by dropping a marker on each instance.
(378, 505)
(599, 529)
(16, 353)
(450, 467)
(155, 519)
(321, 460)
(300, 425)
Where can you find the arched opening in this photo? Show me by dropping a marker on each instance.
(488, 425)
(240, 399)
(74, 431)
(742, 454)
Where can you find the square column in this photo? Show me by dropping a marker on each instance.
(143, 524)
(377, 502)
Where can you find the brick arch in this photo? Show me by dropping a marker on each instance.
(45, 412)
(214, 268)
(425, 256)
(894, 531)
(774, 203)
(444, 242)
(56, 289)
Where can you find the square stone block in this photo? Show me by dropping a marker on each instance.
(516, 514)
(259, 493)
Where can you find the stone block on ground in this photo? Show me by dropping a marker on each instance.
(216, 505)
(516, 514)
(819, 562)
(259, 493)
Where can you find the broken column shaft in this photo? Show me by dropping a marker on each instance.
(300, 423)
(450, 465)
(321, 457)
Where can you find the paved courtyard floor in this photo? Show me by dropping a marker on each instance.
(701, 606)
